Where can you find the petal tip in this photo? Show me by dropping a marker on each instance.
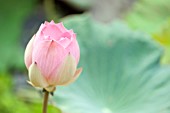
(78, 71)
(52, 22)
(46, 22)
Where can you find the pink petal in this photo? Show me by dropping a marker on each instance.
(71, 31)
(73, 48)
(28, 53)
(64, 72)
(64, 42)
(65, 39)
(42, 26)
(48, 55)
(53, 31)
(61, 27)
(67, 35)
(39, 35)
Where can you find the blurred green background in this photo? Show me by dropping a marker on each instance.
(125, 54)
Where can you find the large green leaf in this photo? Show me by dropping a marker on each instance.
(122, 71)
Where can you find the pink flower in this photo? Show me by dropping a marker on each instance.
(51, 56)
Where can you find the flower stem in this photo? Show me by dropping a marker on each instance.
(45, 103)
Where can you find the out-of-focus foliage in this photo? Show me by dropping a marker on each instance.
(122, 71)
(50, 11)
(10, 103)
(81, 4)
(12, 16)
(163, 37)
(149, 15)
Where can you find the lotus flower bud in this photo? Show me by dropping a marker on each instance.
(52, 56)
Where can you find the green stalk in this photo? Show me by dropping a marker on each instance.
(45, 103)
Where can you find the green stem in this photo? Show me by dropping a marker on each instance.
(45, 103)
